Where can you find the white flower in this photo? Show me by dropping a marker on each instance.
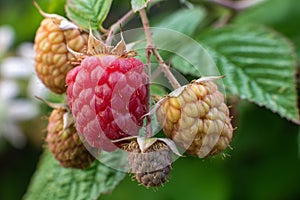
(7, 36)
(16, 67)
(9, 129)
(13, 109)
(26, 50)
(8, 90)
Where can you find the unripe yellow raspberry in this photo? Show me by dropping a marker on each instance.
(196, 118)
(53, 60)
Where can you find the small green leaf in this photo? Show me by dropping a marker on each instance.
(258, 63)
(138, 4)
(88, 13)
(52, 181)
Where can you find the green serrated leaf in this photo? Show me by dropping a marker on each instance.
(51, 181)
(283, 21)
(138, 4)
(259, 65)
(88, 13)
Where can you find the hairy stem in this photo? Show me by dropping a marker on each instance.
(117, 25)
(148, 117)
(148, 67)
(151, 48)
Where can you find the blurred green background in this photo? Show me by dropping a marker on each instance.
(263, 164)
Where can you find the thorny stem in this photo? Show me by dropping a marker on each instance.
(153, 50)
(236, 5)
(117, 25)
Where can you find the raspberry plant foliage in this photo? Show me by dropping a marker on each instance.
(258, 65)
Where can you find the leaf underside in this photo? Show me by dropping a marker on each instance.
(52, 181)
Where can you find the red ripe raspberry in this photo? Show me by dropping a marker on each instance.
(121, 98)
(108, 97)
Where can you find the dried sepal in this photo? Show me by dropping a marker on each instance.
(144, 143)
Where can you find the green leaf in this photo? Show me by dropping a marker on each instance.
(138, 4)
(283, 21)
(51, 181)
(158, 90)
(172, 32)
(299, 143)
(88, 13)
(258, 63)
(184, 20)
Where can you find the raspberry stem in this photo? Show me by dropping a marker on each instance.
(117, 25)
(148, 67)
(148, 117)
(152, 48)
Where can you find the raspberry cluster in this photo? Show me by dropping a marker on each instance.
(107, 98)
